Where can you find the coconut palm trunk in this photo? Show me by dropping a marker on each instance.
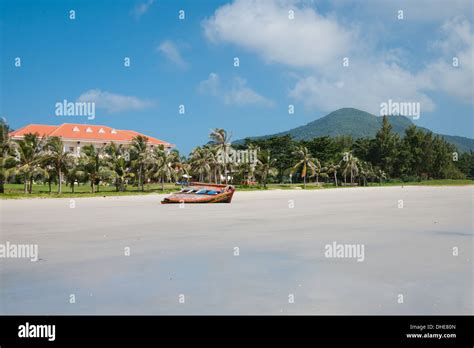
(139, 178)
(225, 173)
(60, 179)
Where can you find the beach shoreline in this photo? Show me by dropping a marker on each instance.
(281, 237)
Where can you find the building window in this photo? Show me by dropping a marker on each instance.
(71, 148)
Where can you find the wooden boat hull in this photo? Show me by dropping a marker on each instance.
(191, 198)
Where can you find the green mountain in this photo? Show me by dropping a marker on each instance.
(359, 124)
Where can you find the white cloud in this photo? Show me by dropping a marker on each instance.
(237, 93)
(419, 10)
(315, 45)
(172, 53)
(240, 94)
(364, 88)
(114, 102)
(459, 44)
(211, 85)
(140, 9)
(263, 26)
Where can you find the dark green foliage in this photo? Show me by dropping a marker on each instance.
(360, 124)
(416, 155)
(465, 164)
(281, 149)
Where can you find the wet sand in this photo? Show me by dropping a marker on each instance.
(190, 251)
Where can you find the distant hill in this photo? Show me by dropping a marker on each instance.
(359, 124)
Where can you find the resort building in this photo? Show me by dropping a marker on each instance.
(75, 136)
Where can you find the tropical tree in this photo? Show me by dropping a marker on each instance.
(282, 149)
(332, 169)
(51, 175)
(92, 160)
(306, 163)
(214, 163)
(141, 158)
(199, 161)
(58, 157)
(222, 143)
(181, 167)
(317, 169)
(350, 165)
(75, 174)
(118, 161)
(380, 175)
(366, 172)
(164, 165)
(384, 148)
(29, 154)
(465, 164)
(265, 166)
(7, 161)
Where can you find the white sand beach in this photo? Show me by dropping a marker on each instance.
(190, 251)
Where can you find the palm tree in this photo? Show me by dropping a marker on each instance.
(199, 161)
(51, 174)
(214, 164)
(381, 175)
(366, 172)
(332, 169)
(265, 165)
(117, 161)
(29, 155)
(243, 172)
(59, 158)
(222, 142)
(317, 169)
(75, 174)
(306, 163)
(142, 159)
(180, 165)
(350, 163)
(92, 162)
(7, 146)
(165, 165)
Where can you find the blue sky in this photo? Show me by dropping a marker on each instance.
(283, 61)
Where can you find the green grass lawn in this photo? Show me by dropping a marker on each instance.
(314, 186)
(42, 191)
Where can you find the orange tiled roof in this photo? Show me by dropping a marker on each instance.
(84, 132)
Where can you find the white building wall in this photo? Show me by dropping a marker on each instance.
(76, 146)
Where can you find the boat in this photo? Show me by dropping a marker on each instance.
(198, 192)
